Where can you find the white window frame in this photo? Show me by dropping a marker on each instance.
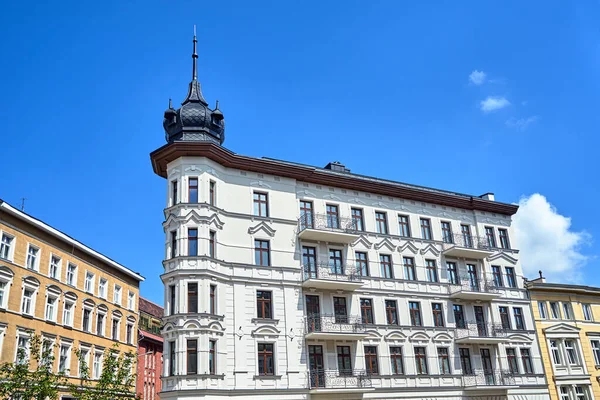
(68, 321)
(85, 352)
(88, 284)
(543, 309)
(54, 297)
(588, 315)
(575, 355)
(555, 351)
(11, 246)
(6, 280)
(91, 320)
(131, 300)
(103, 330)
(117, 294)
(36, 260)
(552, 314)
(25, 336)
(132, 326)
(97, 369)
(118, 337)
(103, 288)
(567, 311)
(34, 289)
(57, 266)
(74, 282)
(67, 369)
(564, 393)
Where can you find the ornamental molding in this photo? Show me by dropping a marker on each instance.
(385, 243)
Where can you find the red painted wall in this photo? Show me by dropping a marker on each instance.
(150, 361)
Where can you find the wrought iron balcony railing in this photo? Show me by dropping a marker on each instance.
(334, 379)
(489, 378)
(331, 271)
(474, 285)
(467, 241)
(334, 324)
(476, 330)
(327, 222)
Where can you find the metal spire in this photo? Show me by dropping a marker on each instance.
(195, 58)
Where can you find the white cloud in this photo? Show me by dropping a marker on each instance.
(522, 123)
(477, 77)
(547, 242)
(493, 103)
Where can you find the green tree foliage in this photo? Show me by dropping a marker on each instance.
(31, 377)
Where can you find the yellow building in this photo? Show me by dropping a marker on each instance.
(65, 292)
(567, 319)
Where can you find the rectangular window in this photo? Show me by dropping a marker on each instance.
(396, 360)
(504, 317)
(465, 361)
(213, 299)
(452, 273)
(32, 257)
(84, 361)
(526, 359)
(404, 225)
(571, 352)
(426, 229)
(131, 301)
(6, 246)
(519, 322)
(511, 357)
(192, 356)
(371, 363)
(71, 269)
(362, 263)
(115, 329)
(415, 313)
(3, 294)
(444, 360)
(51, 308)
(192, 299)
(171, 358)
(391, 312)
(438, 314)
(129, 334)
(192, 242)
(22, 356)
(490, 236)
(421, 361)
(447, 232)
(381, 222)
(542, 309)
(344, 360)
(556, 358)
(89, 281)
(554, 310)
(100, 324)
(564, 393)
(261, 253)
(409, 268)
(27, 303)
(366, 311)
(212, 243)
(117, 295)
(67, 313)
(102, 288)
(497, 274)
(212, 193)
(587, 312)
(459, 316)
(567, 311)
(171, 299)
(173, 244)
(340, 311)
(333, 216)
(54, 267)
(511, 280)
(261, 204)
(357, 219)
(263, 304)
(503, 235)
(432, 275)
(266, 363)
(63, 358)
(467, 239)
(174, 193)
(386, 266)
(596, 350)
(212, 357)
(336, 265)
(580, 393)
(306, 214)
(97, 365)
(86, 322)
(193, 190)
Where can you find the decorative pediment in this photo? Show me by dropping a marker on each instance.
(373, 334)
(332, 197)
(54, 289)
(168, 327)
(260, 184)
(102, 307)
(402, 208)
(216, 326)
(305, 193)
(117, 313)
(70, 295)
(442, 337)
(385, 243)
(408, 245)
(6, 272)
(174, 171)
(216, 221)
(380, 204)
(31, 280)
(131, 318)
(561, 328)
(356, 200)
(190, 325)
(430, 248)
(503, 256)
(519, 338)
(419, 337)
(265, 330)
(89, 302)
(424, 211)
(262, 226)
(362, 240)
(444, 214)
(395, 336)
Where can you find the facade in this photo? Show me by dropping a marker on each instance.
(67, 293)
(567, 319)
(150, 350)
(284, 280)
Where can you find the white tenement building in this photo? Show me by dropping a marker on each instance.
(287, 281)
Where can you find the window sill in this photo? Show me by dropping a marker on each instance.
(267, 377)
(29, 316)
(265, 321)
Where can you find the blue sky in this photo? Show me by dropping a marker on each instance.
(384, 87)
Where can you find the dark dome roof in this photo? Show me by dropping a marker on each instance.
(194, 120)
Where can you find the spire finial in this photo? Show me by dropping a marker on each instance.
(194, 58)
(170, 103)
(217, 106)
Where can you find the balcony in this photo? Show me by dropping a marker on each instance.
(489, 380)
(334, 381)
(474, 333)
(467, 246)
(335, 327)
(331, 277)
(474, 289)
(327, 228)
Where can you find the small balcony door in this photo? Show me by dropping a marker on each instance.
(309, 260)
(344, 360)
(486, 364)
(340, 310)
(480, 321)
(313, 313)
(316, 366)
(335, 262)
(473, 278)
